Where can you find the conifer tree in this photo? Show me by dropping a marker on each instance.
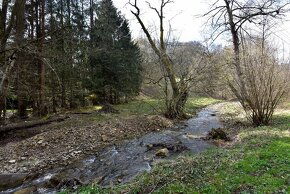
(116, 60)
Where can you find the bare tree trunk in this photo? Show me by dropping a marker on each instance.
(241, 93)
(5, 30)
(91, 18)
(42, 110)
(179, 92)
(62, 75)
(20, 27)
(70, 85)
(4, 87)
(6, 24)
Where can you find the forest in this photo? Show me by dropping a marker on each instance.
(57, 55)
(87, 107)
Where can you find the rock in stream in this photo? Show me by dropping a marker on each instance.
(121, 163)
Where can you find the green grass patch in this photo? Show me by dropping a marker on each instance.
(258, 163)
(141, 107)
(154, 106)
(89, 108)
(147, 106)
(196, 103)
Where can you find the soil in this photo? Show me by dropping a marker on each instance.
(81, 151)
(60, 143)
(62, 149)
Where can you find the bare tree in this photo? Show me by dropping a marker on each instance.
(6, 25)
(265, 77)
(191, 64)
(40, 33)
(179, 88)
(213, 77)
(19, 40)
(234, 16)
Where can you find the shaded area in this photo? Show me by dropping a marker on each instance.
(20, 131)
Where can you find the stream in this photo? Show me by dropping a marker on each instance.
(121, 163)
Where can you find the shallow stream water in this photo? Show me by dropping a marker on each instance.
(121, 163)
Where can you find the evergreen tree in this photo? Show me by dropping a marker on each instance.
(68, 49)
(116, 61)
(130, 61)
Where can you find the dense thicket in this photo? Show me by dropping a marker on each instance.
(57, 54)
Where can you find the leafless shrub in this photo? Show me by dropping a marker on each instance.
(266, 80)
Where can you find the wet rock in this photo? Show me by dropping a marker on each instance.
(217, 134)
(63, 181)
(174, 147)
(71, 183)
(120, 180)
(190, 136)
(26, 190)
(162, 153)
(98, 180)
(11, 180)
(150, 146)
(147, 159)
(178, 148)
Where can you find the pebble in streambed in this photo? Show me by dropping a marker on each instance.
(121, 163)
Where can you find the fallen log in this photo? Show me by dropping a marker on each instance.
(30, 124)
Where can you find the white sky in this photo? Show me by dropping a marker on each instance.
(184, 20)
(182, 15)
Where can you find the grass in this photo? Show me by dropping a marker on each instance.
(148, 106)
(145, 106)
(140, 107)
(258, 163)
(196, 103)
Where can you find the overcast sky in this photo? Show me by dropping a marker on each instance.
(184, 20)
(182, 15)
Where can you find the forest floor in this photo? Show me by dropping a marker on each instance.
(84, 132)
(255, 161)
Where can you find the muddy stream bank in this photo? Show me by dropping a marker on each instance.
(120, 163)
